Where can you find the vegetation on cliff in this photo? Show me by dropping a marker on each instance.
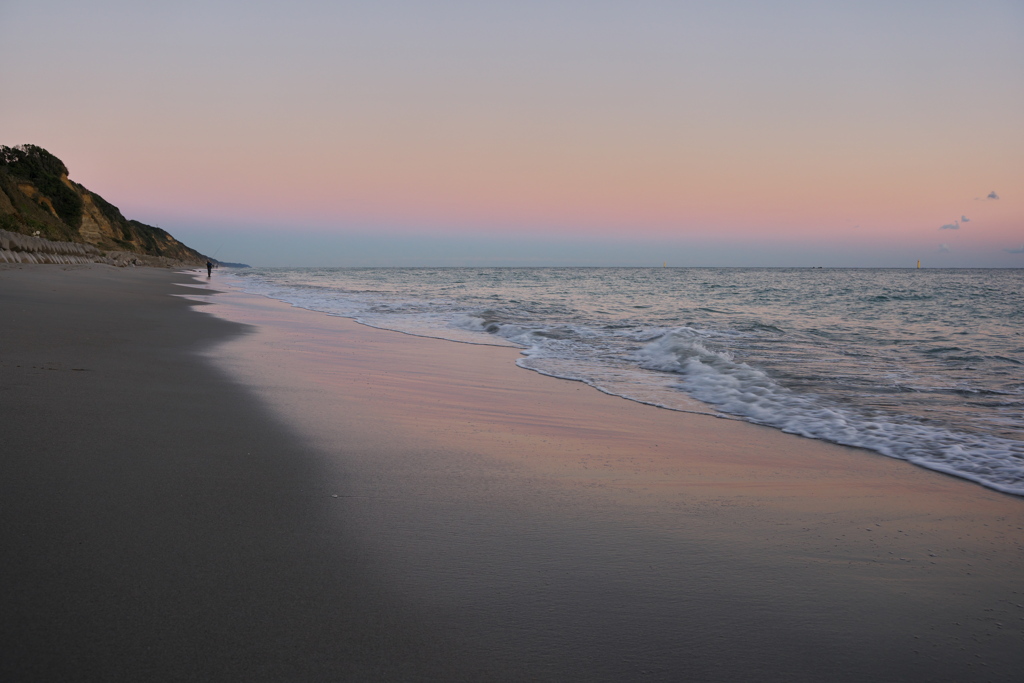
(38, 198)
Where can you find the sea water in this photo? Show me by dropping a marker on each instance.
(922, 365)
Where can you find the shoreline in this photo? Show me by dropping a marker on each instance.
(768, 509)
(900, 393)
(416, 509)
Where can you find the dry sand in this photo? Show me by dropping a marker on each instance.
(277, 494)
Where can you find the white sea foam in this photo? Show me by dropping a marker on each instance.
(716, 378)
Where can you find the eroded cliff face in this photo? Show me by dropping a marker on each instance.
(30, 191)
(38, 199)
(95, 227)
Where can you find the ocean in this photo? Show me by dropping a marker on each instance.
(922, 365)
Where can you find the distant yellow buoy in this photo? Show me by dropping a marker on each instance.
(918, 263)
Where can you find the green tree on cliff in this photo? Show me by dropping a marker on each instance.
(47, 173)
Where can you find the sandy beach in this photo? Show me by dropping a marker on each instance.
(222, 487)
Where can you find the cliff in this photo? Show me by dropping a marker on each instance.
(38, 200)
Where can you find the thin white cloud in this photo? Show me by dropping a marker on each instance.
(944, 249)
(955, 225)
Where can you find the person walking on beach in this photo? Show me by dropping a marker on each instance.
(209, 268)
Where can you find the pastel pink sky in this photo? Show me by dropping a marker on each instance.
(764, 130)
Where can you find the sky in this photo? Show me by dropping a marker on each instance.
(397, 133)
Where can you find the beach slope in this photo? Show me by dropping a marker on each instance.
(158, 522)
(273, 494)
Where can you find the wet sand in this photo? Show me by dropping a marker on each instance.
(277, 494)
